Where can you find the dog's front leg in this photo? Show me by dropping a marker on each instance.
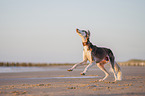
(86, 69)
(83, 62)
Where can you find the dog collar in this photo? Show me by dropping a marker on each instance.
(85, 43)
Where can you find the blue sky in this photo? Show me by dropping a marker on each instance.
(44, 30)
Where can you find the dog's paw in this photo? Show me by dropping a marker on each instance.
(70, 70)
(101, 80)
(82, 73)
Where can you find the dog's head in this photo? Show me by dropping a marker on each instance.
(83, 34)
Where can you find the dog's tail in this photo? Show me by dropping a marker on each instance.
(116, 68)
(111, 57)
(118, 71)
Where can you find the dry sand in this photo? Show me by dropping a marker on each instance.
(37, 84)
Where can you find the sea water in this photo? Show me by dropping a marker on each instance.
(27, 69)
(14, 69)
(38, 69)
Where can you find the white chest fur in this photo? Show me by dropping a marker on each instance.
(86, 48)
(87, 53)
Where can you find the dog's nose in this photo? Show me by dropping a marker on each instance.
(77, 30)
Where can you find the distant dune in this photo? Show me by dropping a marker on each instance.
(133, 62)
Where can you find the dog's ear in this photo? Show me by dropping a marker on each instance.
(88, 33)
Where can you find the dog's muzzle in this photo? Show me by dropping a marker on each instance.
(77, 30)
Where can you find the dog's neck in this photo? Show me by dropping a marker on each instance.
(86, 42)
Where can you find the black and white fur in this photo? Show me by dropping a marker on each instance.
(97, 55)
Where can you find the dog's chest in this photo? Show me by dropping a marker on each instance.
(87, 53)
(86, 49)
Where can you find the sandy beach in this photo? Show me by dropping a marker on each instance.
(60, 82)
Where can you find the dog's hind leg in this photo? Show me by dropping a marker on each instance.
(83, 62)
(113, 63)
(101, 66)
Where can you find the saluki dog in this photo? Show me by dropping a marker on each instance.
(98, 55)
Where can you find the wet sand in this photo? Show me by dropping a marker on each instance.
(64, 83)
